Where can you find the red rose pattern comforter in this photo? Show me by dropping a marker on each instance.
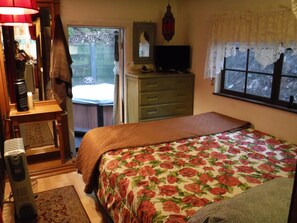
(170, 182)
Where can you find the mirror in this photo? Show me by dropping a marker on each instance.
(143, 42)
(144, 45)
(36, 42)
(25, 56)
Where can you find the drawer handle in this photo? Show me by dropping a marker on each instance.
(153, 111)
(154, 84)
(152, 98)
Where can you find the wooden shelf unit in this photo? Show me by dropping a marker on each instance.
(42, 111)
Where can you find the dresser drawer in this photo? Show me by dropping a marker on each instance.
(152, 96)
(163, 97)
(150, 112)
(166, 83)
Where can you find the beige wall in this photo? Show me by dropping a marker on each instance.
(192, 27)
(121, 13)
(198, 13)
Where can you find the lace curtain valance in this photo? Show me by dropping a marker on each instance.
(294, 7)
(268, 33)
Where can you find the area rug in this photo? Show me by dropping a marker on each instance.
(36, 134)
(60, 205)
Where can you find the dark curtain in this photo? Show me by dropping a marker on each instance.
(116, 118)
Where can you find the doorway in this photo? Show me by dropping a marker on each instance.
(97, 65)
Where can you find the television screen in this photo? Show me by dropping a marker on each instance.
(175, 58)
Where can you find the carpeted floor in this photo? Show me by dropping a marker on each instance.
(36, 134)
(59, 205)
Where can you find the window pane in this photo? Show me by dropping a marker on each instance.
(234, 81)
(259, 85)
(92, 52)
(105, 63)
(288, 88)
(81, 66)
(238, 61)
(254, 65)
(290, 63)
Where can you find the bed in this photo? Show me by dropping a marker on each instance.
(96, 100)
(170, 170)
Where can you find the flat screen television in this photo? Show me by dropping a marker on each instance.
(172, 58)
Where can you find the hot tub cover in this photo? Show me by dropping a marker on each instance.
(93, 94)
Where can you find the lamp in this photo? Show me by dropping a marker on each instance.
(168, 22)
(15, 20)
(18, 7)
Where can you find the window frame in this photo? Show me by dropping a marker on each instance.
(273, 101)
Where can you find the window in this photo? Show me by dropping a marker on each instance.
(274, 85)
(254, 54)
(92, 51)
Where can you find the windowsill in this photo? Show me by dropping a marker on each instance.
(292, 110)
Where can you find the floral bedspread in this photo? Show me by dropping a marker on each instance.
(170, 182)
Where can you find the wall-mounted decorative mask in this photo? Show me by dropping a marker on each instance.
(168, 23)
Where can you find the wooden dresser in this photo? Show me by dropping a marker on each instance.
(152, 96)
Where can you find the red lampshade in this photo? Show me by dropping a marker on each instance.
(18, 7)
(15, 20)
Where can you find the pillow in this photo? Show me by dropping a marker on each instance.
(269, 202)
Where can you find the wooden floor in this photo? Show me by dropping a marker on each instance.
(60, 180)
(46, 165)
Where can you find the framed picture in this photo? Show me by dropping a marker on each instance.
(143, 42)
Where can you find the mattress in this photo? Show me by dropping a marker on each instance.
(170, 182)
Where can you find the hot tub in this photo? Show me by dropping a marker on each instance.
(92, 106)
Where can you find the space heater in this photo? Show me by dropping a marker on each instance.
(17, 168)
(21, 95)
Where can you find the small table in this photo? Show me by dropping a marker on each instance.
(48, 110)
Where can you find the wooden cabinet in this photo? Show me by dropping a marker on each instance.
(152, 96)
(42, 111)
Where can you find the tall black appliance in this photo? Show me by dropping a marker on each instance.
(21, 95)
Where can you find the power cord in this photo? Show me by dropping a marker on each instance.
(34, 183)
